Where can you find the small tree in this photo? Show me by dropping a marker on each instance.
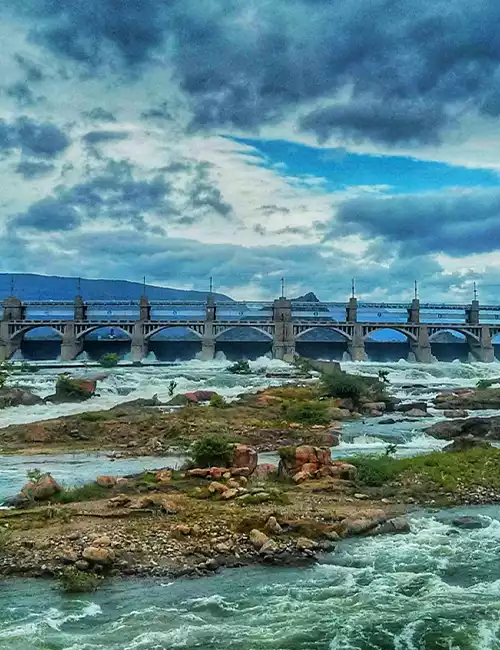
(218, 402)
(5, 372)
(73, 581)
(171, 387)
(109, 360)
(212, 451)
(307, 412)
(241, 367)
(342, 385)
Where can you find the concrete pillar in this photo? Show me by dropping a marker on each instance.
(356, 345)
(13, 309)
(352, 310)
(284, 338)
(8, 346)
(483, 349)
(80, 309)
(208, 340)
(414, 311)
(139, 347)
(472, 313)
(144, 309)
(421, 349)
(70, 346)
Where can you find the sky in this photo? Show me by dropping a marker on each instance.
(314, 140)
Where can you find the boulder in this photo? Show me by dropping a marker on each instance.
(164, 476)
(305, 544)
(470, 522)
(476, 427)
(44, 488)
(294, 460)
(466, 442)
(273, 526)
(360, 525)
(72, 389)
(230, 494)
(119, 501)
(300, 477)
(479, 399)
(198, 396)
(217, 488)
(199, 472)
(258, 539)
(397, 525)
(98, 555)
(106, 481)
(457, 413)
(264, 471)
(344, 471)
(244, 456)
(269, 547)
(240, 471)
(417, 413)
(378, 407)
(155, 502)
(336, 413)
(18, 397)
(410, 406)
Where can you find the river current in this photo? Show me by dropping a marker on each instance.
(436, 588)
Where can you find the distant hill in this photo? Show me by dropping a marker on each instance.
(28, 286)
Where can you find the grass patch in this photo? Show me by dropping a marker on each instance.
(88, 492)
(73, 581)
(306, 412)
(449, 471)
(96, 416)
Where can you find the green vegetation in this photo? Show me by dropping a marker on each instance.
(383, 375)
(355, 387)
(71, 388)
(73, 581)
(218, 402)
(4, 538)
(88, 492)
(287, 455)
(212, 451)
(96, 416)
(307, 412)
(172, 385)
(241, 367)
(34, 475)
(109, 360)
(5, 371)
(449, 471)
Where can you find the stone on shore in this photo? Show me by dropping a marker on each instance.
(258, 539)
(42, 489)
(98, 555)
(106, 481)
(244, 456)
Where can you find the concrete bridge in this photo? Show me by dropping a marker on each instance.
(284, 322)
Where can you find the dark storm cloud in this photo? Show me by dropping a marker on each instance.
(49, 214)
(97, 137)
(100, 114)
(32, 71)
(22, 93)
(30, 169)
(409, 66)
(450, 222)
(397, 123)
(158, 113)
(38, 139)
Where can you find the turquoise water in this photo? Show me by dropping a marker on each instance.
(437, 588)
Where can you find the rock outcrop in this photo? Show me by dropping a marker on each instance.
(305, 461)
(483, 428)
(18, 397)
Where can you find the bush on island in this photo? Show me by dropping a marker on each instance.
(212, 451)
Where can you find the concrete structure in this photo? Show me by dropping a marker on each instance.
(277, 321)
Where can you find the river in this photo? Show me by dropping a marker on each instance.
(436, 588)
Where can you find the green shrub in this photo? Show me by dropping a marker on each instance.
(375, 471)
(73, 581)
(212, 451)
(483, 384)
(34, 475)
(109, 360)
(88, 492)
(342, 385)
(307, 412)
(71, 388)
(241, 367)
(218, 402)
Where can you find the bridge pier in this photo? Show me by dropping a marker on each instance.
(483, 349)
(420, 350)
(208, 339)
(71, 346)
(283, 337)
(356, 345)
(139, 346)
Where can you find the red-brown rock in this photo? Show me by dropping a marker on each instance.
(199, 472)
(245, 456)
(200, 396)
(106, 481)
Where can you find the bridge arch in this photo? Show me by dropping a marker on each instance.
(323, 342)
(304, 334)
(39, 343)
(368, 335)
(173, 328)
(99, 340)
(243, 342)
(450, 344)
